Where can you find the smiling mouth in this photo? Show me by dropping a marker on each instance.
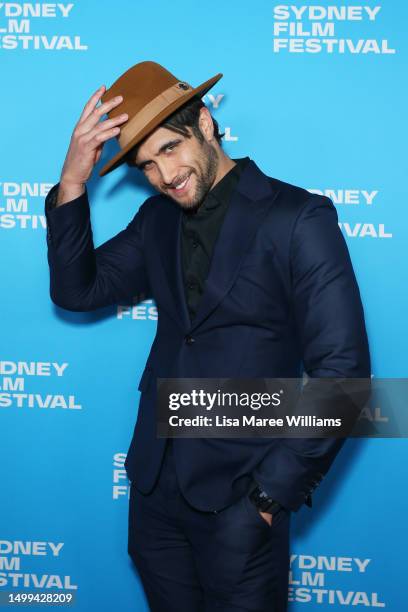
(181, 187)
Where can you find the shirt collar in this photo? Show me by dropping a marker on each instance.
(221, 192)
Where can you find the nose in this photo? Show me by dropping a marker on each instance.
(168, 172)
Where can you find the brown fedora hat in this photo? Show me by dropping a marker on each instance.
(150, 95)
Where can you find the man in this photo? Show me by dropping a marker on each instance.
(252, 278)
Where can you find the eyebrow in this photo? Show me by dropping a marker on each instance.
(164, 146)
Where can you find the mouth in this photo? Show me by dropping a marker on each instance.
(181, 188)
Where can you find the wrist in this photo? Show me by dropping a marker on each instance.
(68, 182)
(263, 502)
(68, 191)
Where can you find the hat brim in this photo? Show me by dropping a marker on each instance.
(118, 159)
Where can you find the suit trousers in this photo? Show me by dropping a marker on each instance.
(194, 561)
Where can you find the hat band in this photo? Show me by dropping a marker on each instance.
(151, 110)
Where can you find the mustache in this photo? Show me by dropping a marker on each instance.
(177, 181)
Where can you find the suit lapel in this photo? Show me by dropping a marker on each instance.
(249, 203)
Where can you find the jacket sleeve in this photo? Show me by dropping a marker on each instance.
(82, 277)
(329, 318)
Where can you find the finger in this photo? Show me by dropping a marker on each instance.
(107, 124)
(94, 117)
(98, 153)
(102, 137)
(92, 102)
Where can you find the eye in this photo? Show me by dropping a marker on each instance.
(170, 147)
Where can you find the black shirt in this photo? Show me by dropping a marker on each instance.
(199, 234)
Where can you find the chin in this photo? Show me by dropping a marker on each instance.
(187, 204)
(192, 206)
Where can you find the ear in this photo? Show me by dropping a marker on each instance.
(205, 123)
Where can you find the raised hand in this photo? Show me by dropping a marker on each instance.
(87, 140)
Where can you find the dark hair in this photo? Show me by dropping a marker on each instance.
(188, 116)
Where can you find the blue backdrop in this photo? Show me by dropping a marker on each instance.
(317, 96)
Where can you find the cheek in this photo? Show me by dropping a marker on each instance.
(187, 158)
(153, 177)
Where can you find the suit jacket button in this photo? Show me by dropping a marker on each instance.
(189, 340)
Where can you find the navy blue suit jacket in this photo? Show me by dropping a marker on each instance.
(281, 296)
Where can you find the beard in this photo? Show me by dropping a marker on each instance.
(205, 176)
